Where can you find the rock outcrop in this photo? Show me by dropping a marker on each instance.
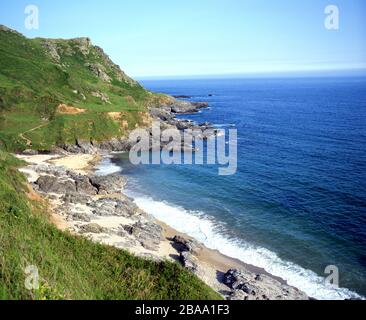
(86, 199)
(246, 285)
(105, 69)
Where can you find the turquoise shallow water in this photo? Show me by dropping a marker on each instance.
(298, 200)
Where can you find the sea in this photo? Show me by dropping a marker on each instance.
(297, 203)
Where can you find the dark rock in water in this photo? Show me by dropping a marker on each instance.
(183, 124)
(200, 104)
(204, 124)
(52, 184)
(182, 97)
(183, 107)
(210, 95)
(188, 261)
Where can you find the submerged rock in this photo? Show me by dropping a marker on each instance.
(200, 104)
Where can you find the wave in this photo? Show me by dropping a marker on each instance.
(106, 167)
(208, 231)
(225, 125)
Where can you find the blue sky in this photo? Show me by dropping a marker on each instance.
(206, 37)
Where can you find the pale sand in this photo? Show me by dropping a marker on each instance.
(80, 163)
(212, 265)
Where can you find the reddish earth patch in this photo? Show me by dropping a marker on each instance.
(115, 115)
(65, 109)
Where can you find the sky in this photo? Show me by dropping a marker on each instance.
(205, 37)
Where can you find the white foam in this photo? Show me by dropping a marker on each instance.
(106, 167)
(211, 234)
(224, 125)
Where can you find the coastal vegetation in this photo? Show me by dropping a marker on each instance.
(55, 92)
(70, 266)
(38, 76)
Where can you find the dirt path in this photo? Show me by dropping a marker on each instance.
(29, 142)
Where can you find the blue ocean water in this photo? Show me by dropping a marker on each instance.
(298, 201)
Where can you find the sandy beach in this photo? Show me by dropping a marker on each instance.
(209, 265)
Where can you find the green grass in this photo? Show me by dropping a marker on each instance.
(72, 267)
(32, 85)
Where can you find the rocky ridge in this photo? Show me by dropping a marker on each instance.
(97, 61)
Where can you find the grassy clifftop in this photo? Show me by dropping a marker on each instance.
(72, 267)
(53, 91)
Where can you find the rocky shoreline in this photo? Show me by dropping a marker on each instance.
(164, 113)
(94, 206)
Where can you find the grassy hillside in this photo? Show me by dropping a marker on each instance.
(54, 92)
(38, 75)
(71, 267)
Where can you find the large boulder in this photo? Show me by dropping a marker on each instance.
(184, 107)
(86, 147)
(149, 234)
(115, 144)
(52, 184)
(84, 185)
(161, 114)
(200, 105)
(189, 245)
(114, 207)
(111, 184)
(188, 261)
(246, 285)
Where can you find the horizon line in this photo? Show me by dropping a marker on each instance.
(263, 74)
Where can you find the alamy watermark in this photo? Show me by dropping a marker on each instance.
(331, 21)
(188, 147)
(31, 281)
(332, 280)
(31, 21)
